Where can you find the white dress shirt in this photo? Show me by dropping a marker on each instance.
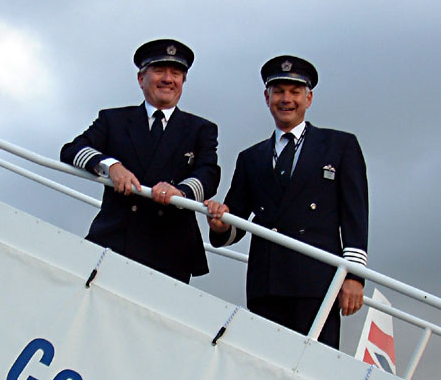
(280, 142)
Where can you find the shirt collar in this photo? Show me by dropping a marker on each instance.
(296, 131)
(151, 110)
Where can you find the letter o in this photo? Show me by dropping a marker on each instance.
(68, 374)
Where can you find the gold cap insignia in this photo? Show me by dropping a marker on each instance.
(171, 50)
(286, 66)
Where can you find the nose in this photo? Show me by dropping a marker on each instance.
(286, 98)
(167, 76)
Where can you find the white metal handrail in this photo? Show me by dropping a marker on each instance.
(343, 266)
(255, 229)
(219, 251)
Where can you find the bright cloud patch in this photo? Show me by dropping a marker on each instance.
(22, 70)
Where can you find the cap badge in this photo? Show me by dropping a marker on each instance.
(286, 66)
(171, 50)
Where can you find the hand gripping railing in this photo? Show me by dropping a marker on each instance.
(343, 266)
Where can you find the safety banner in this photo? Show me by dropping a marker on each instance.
(53, 327)
(130, 322)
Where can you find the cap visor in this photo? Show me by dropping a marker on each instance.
(165, 60)
(288, 77)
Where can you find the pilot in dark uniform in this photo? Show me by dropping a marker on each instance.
(157, 145)
(305, 182)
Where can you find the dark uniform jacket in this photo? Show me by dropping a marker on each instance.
(162, 237)
(325, 205)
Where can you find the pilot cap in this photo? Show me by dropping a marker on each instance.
(289, 68)
(163, 51)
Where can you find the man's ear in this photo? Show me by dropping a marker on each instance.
(309, 98)
(266, 94)
(140, 77)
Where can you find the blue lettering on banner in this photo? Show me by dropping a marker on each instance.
(26, 355)
(68, 374)
(48, 354)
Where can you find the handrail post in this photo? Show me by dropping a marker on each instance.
(328, 302)
(418, 353)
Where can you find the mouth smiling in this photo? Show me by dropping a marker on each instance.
(166, 89)
(286, 109)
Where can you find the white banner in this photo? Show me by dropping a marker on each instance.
(132, 323)
(53, 327)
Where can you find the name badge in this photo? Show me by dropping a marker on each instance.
(329, 172)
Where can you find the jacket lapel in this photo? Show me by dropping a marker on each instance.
(263, 162)
(139, 134)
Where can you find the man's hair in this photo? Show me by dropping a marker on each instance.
(144, 69)
(308, 90)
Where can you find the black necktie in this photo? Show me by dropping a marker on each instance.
(157, 128)
(285, 160)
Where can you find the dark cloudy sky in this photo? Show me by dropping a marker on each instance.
(378, 63)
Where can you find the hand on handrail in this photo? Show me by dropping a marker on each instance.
(216, 211)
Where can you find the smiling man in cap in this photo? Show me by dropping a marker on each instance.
(307, 183)
(157, 145)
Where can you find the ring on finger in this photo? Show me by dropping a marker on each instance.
(163, 192)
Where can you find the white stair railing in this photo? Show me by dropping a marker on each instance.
(343, 266)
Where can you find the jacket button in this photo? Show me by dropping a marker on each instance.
(261, 208)
(301, 232)
(134, 208)
(160, 213)
(274, 229)
(312, 206)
